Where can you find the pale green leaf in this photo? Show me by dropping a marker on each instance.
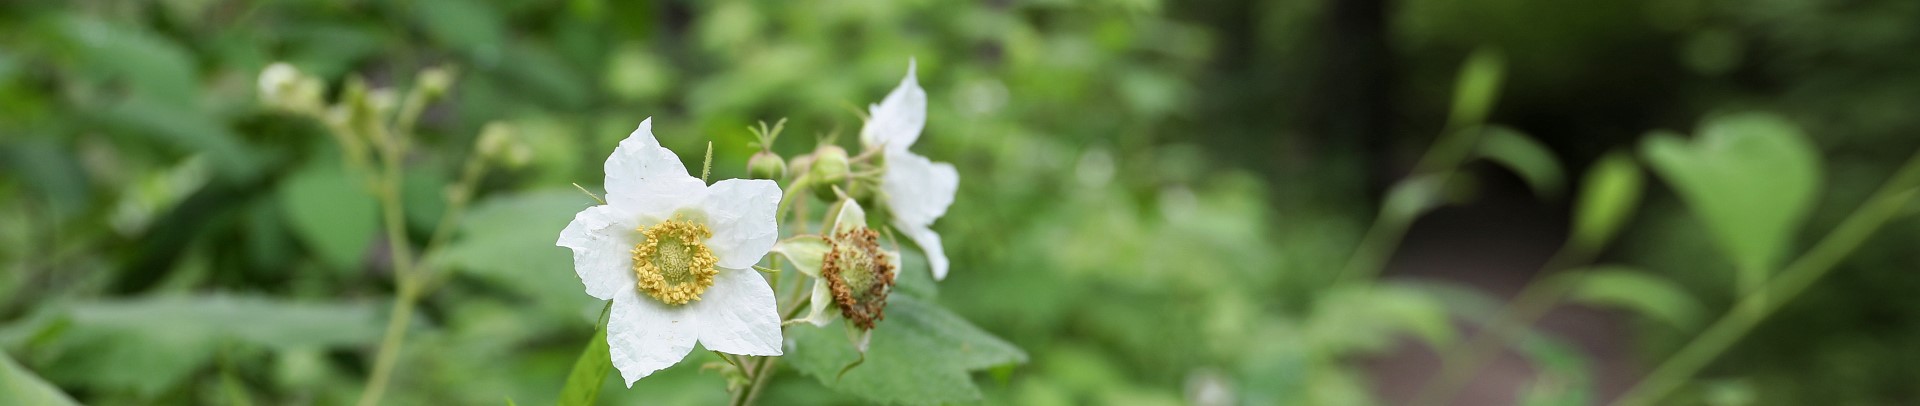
(1751, 178)
(260, 321)
(1640, 292)
(18, 386)
(1533, 161)
(804, 251)
(920, 354)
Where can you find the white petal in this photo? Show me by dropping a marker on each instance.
(649, 180)
(929, 243)
(918, 190)
(601, 238)
(896, 122)
(740, 212)
(738, 315)
(644, 335)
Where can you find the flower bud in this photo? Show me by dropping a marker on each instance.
(499, 142)
(766, 165)
(829, 169)
(829, 164)
(282, 86)
(435, 81)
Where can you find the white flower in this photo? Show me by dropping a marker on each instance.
(917, 189)
(676, 255)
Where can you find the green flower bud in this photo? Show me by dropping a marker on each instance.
(435, 81)
(829, 164)
(766, 165)
(829, 169)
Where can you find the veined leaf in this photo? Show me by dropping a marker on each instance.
(920, 354)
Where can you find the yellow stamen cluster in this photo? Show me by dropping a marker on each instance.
(674, 264)
(858, 274)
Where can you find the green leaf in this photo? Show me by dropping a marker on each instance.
(1516, 151)
(1752, 178)
(260, 321)
(1607, 200)
(1368, 319)
(509, 241)
(1477, 87)
(1641, 292)
(589, 371)
(330, 211)
(18, 386)
(148, 345)
(920, 354)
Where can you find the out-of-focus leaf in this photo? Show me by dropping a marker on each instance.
(509, 241)
(1751, 177)
(331, 211)
(18, 386)
(153, 66)
(1641, 292)
(1368, 319)
(260, 321)
(1534, 162)
(589, 373)
(476, 28)
(1563, 379)
(1607, 200)
(920, 354)
(184, 128)
(1477, 87)
(1412, 197)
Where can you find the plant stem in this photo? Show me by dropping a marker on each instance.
(1460, 363)
(1885, 204)
(1442, 159)
(402, 258)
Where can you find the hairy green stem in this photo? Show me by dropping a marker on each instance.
(1886, 204)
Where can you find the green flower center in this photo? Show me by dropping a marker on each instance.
(674, 264)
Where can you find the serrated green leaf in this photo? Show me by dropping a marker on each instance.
(1751, 178)
(920, 354)
(1607, 200)
(589, 372)
(1533, 161)
(18, 386)
(1640, 292)
(330, 211)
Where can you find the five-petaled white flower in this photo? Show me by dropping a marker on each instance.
(917, 190)
(676, 256)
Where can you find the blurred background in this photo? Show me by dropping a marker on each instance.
(1156, 197)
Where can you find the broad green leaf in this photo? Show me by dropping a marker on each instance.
(1641, 292)
(18, 386)
(509, 241)
(1523, 155)
(589, 371)
(1607, 200)
(150, 64)
(920, 354)
(331, 211)
(1477, 87)
(1751, 178)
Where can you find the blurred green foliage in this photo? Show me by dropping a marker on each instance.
(1156, 198)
